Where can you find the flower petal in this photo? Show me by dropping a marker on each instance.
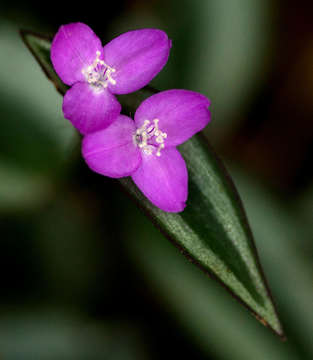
(164, 180)
(90, 109)
(111, 152)
(137, 56)
(74, 48)
(181, 114)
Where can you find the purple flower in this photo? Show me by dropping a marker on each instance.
(125, 64)
(146, 148)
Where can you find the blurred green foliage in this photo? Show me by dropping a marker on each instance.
(84, 274)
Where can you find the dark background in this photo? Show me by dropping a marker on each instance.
(83, 273)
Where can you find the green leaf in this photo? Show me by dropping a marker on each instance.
(213, 231)
(39, 46)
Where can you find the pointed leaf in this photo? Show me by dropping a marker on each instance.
(39, 46)
(212, 232)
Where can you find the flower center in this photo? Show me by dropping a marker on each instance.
(99, 74)
(150, 138)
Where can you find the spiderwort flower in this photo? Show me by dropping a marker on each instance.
(125, 64)
(146, 148)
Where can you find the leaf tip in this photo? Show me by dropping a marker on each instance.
(276, 328)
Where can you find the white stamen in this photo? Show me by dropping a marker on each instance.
(99, 73)
(144, 134)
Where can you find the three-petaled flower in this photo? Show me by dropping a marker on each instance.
(125, 64)
(145, 148)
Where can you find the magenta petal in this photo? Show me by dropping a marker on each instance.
(137, 56)
(111, 152)
(181, 114)
(90, 109)
(73, 48)
(164, 180)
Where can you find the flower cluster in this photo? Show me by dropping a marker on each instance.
(115, 145)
